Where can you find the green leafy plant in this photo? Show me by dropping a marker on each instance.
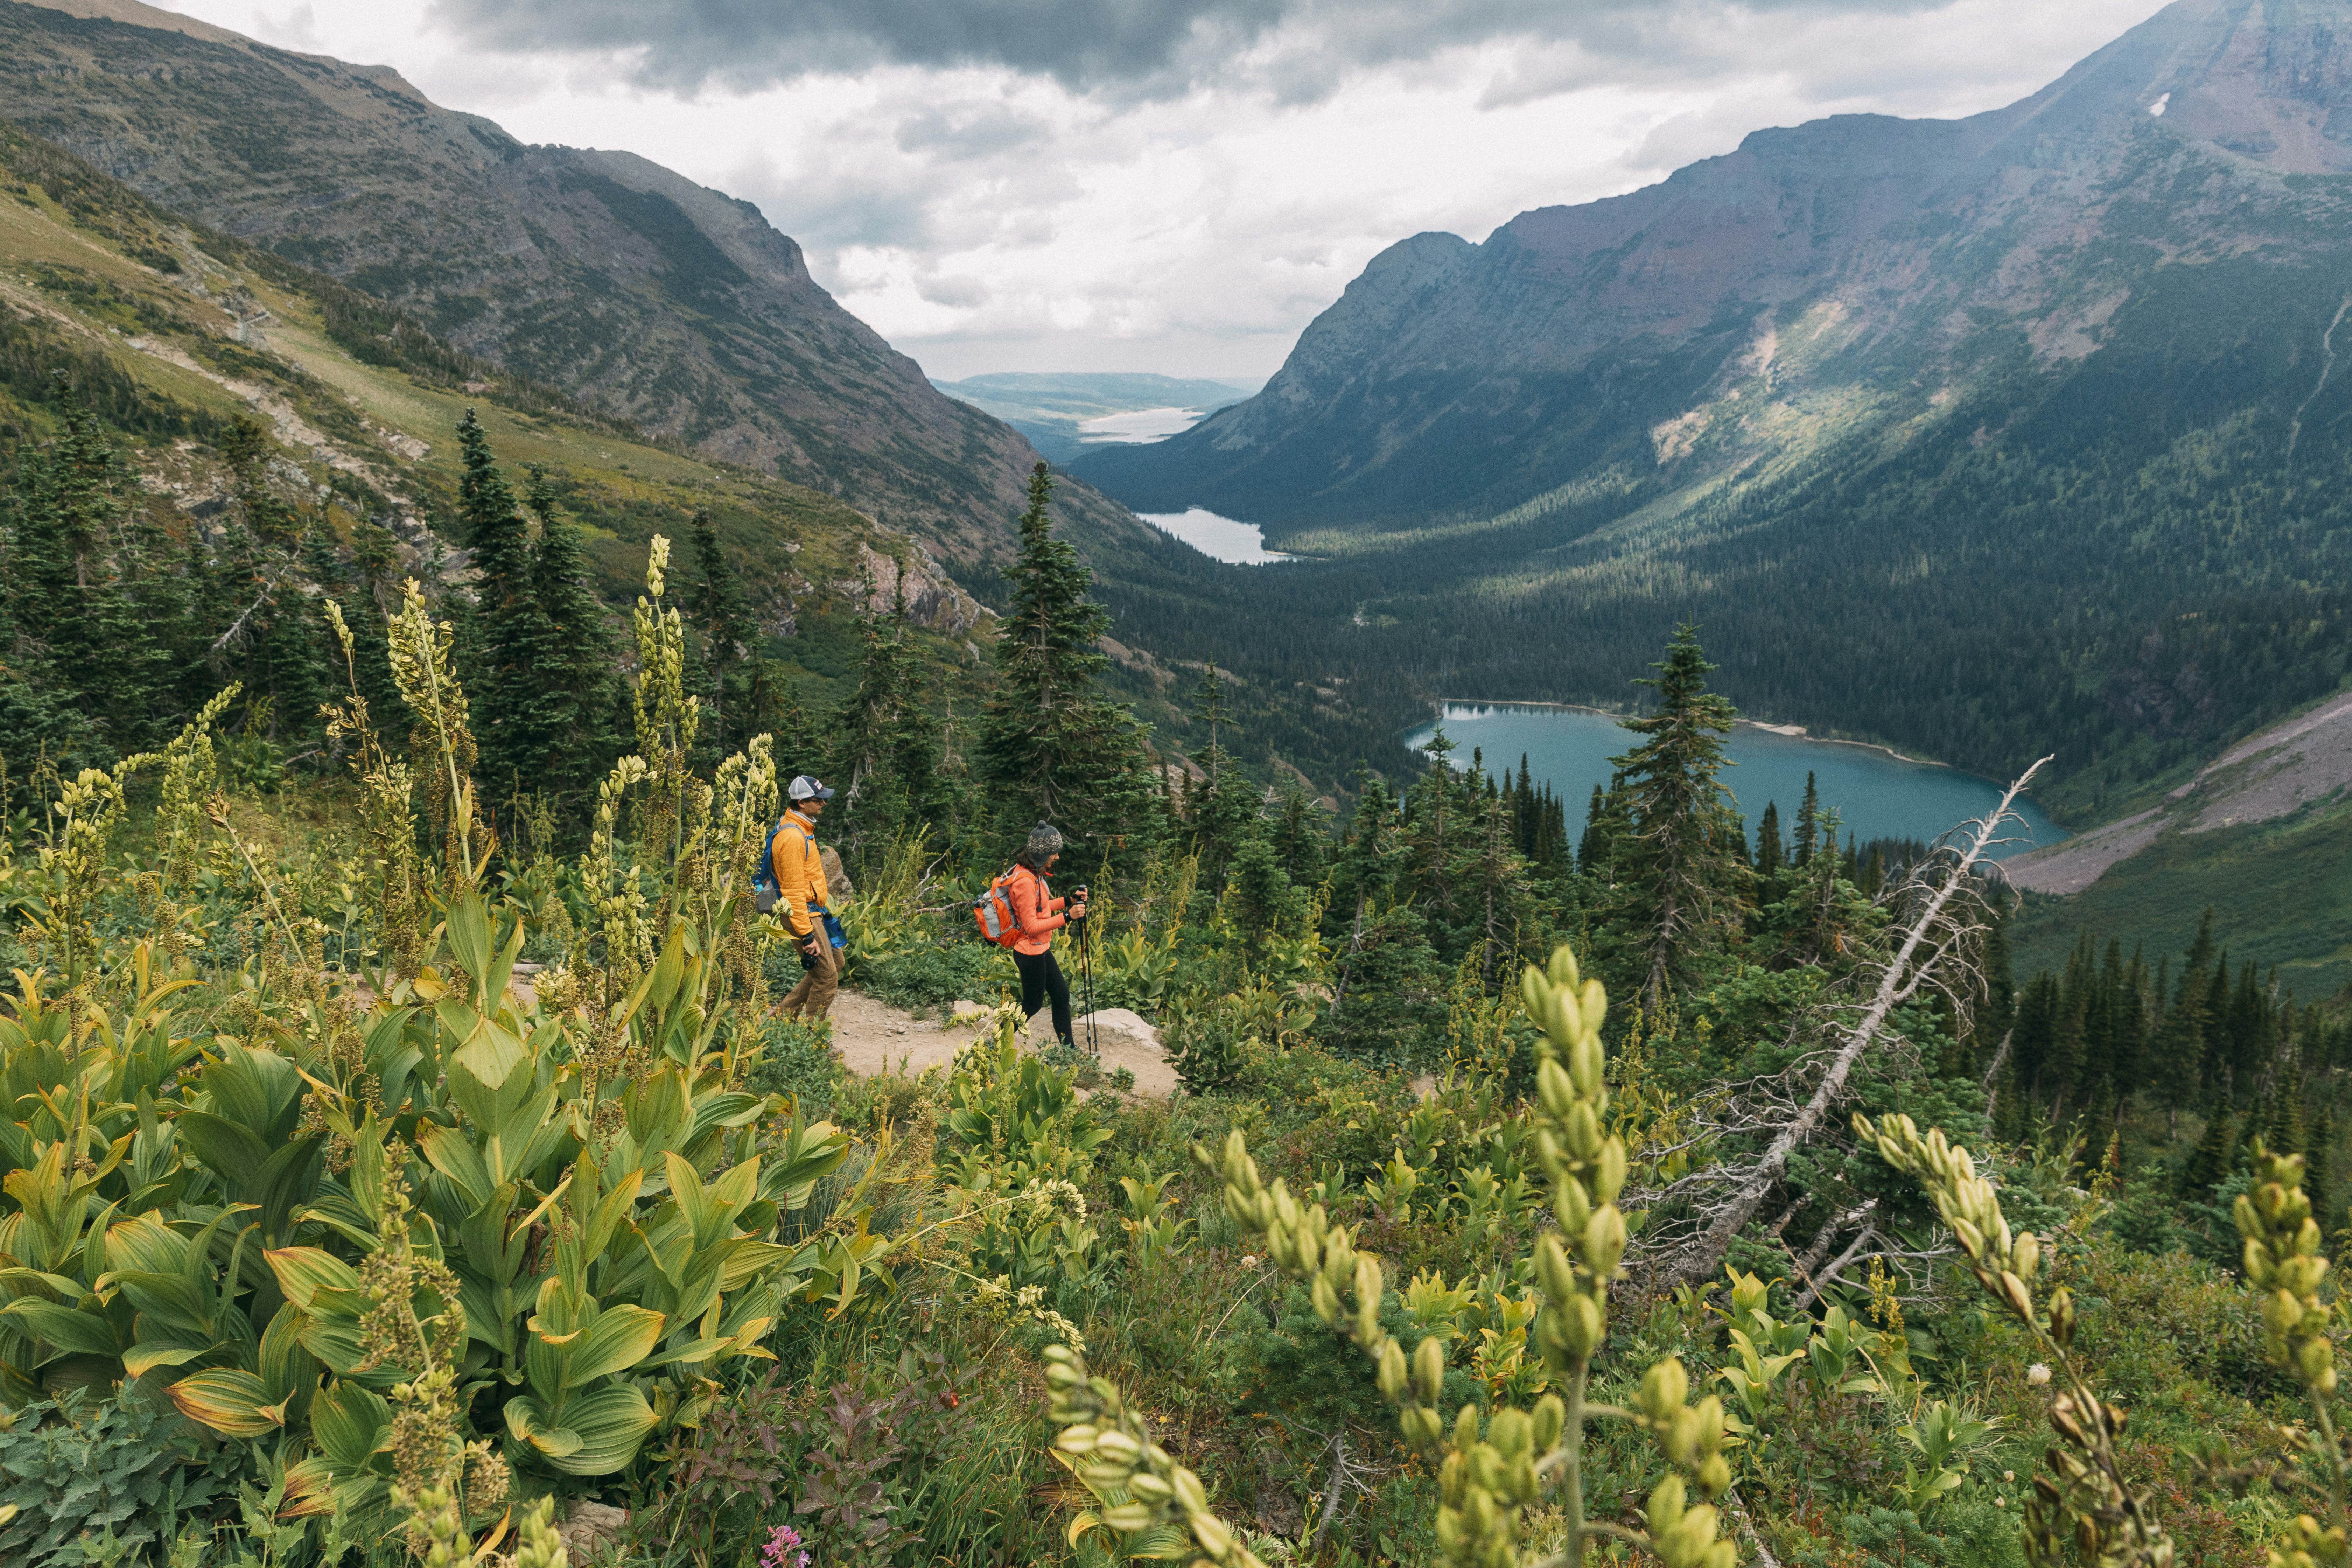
(1492, 1466)
(78, 1472)
(2083, 1503)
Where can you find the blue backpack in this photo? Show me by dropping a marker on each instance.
(764, 891)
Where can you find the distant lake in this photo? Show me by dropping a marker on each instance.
(1242, 543)
(1138, 427)
(1876, 793)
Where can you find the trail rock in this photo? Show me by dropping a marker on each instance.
(590, 1528)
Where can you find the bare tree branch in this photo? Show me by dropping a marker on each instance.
(1827, 1238)
(1941, 878)
(1813, 1288)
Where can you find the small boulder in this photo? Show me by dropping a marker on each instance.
(593, 1529)
(837, 876)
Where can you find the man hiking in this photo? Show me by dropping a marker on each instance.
(1039, 915)
(804, 900)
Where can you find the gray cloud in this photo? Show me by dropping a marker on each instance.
(970, 132)
(1296, 50)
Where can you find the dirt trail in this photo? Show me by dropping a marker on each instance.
(873, 1037)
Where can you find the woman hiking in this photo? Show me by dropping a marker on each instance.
(1039, 915)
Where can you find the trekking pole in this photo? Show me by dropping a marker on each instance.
(1087, 977)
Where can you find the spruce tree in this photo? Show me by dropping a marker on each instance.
(885, 752)
(1264, 899)
(1053, 748)
(1808, 823)
(1224, 811)
(2319, 1171)
(102, 658)
(730, 673)
(1300, 840)
(274, 644)
(1768, 842)
(2214, 1157)
(2178, 1047)
(507, 630)
(579, 701)
(1679, 880)
(1592, 849)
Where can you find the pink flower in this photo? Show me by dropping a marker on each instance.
(778, 1552)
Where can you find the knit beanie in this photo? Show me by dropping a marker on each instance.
(1044, 843)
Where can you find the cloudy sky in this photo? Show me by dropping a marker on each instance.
(1173, 185)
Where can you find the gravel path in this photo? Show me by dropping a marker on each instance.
(873, 1037)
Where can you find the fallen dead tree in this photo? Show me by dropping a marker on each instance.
(1942, 918)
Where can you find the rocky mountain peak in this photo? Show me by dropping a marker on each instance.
(2269, 81)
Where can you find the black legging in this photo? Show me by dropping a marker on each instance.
(1041, 977)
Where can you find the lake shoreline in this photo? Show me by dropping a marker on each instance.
(1791, 731)
(1876, 790)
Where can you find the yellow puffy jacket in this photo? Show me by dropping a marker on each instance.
(799, 872)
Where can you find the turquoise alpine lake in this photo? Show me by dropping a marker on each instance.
(1875, 793)
(1237, 543)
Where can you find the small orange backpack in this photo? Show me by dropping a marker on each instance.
(993, 911)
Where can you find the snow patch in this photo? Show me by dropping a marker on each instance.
(2157, 108)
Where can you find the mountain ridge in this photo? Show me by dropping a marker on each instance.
(644, 294)
(1915, 223)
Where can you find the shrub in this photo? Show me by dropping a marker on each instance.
(94, 1481)
(932, 974)
(797, 1061)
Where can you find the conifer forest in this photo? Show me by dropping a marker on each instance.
(410, 1153)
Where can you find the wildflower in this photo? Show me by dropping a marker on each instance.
(2037, 1374)
(2009, 1475)
(780, 1552)
(1249, 1261)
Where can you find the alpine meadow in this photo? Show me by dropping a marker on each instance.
(638, 936)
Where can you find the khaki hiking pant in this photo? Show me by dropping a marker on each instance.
(813, 997)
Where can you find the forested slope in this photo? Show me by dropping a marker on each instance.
(1988, 437)
(270, 438)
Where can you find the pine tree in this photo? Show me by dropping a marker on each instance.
(1592, 849)
(885, 746)
(1808, 823)
(1768, 842)
(1052, 749)
(579, 701)
(1679, 879)
(2178, 1047)
(507, 629)
(274, 645)
(2214, 1157)
(1222, 812)
(731, 677)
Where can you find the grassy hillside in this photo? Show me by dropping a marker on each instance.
(656, 301)
(2261, 834)
(175, 331)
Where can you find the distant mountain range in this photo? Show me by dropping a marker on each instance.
(1855, 273)
(647, 297)
(1990, 436)
(1053, 409)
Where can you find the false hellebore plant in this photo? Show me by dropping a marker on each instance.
(1491, 1470)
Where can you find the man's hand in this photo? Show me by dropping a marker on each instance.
(815, 944)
